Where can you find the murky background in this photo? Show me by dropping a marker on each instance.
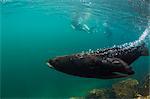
(33, 31)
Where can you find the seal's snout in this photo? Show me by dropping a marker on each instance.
(50, 63)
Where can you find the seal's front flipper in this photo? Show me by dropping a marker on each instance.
(115, 75)
(118, 65)
(117, 62)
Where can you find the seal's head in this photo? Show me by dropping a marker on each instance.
(63, 64)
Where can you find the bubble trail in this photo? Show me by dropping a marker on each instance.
(142, 39)
(145, 35)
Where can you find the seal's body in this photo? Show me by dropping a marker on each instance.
(106, 63)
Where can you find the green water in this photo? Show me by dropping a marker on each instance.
(34, 31)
